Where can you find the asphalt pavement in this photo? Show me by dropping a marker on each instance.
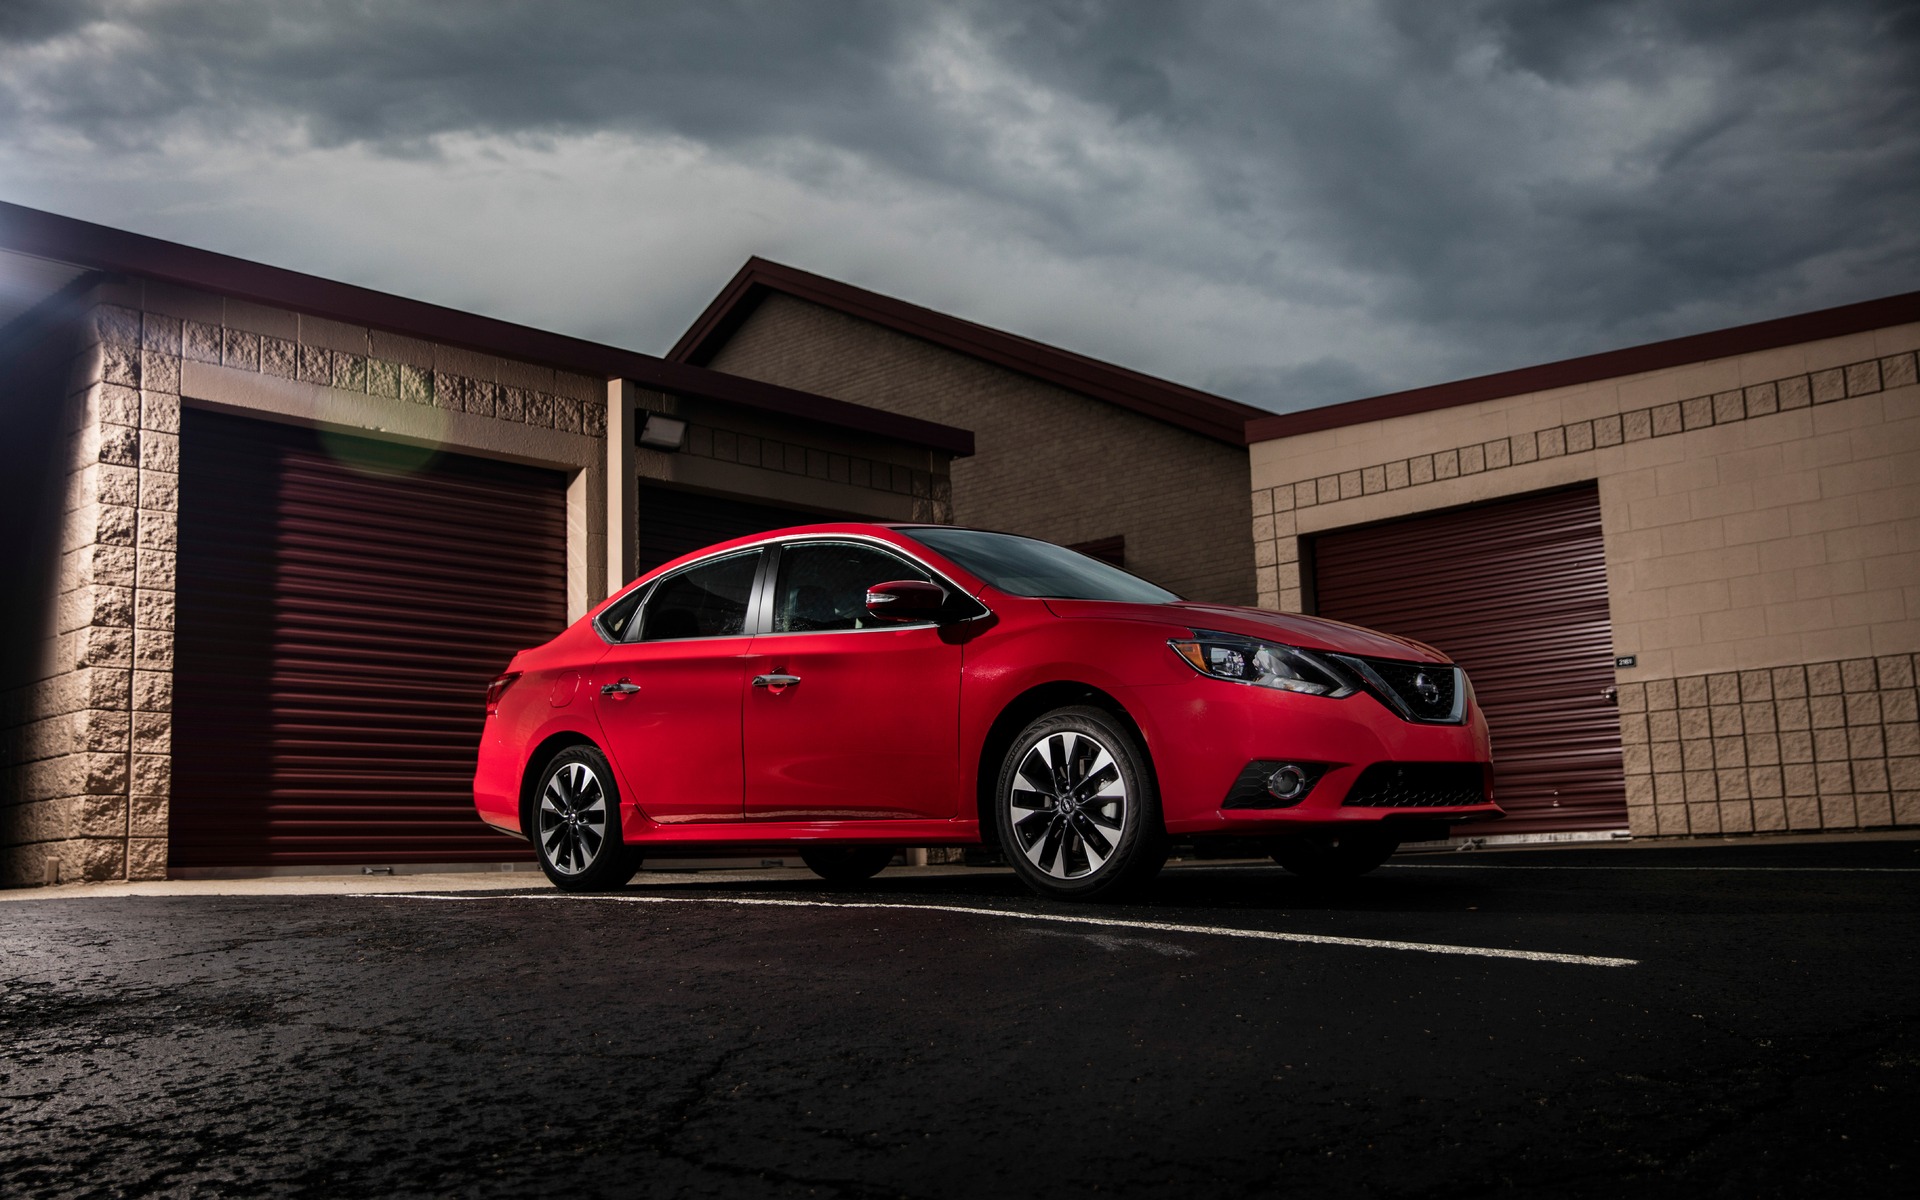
(1719, 1020)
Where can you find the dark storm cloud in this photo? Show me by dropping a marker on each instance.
(1501, 182)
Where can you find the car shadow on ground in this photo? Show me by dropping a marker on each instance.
(1404, 887)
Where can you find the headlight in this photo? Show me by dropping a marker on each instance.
(1264, 664)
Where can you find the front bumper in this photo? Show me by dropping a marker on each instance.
(1203, 733)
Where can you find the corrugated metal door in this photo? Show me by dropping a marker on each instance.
(673, 523)
(1516, 592)
(342, 605)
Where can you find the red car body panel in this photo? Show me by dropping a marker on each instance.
(882, 739)
(871, 730)
(675, 743)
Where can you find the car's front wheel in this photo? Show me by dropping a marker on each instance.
(576, 824)
(1076, 806)
(1342, 855)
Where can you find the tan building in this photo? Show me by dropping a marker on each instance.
(1142, 472)
(268, 536)
(1684, 577)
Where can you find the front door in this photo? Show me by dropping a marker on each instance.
(668, 698)
(847, 716)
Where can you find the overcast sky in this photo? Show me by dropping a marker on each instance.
(1290, 204)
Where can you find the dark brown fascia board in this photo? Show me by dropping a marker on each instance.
(103, 248)
(1199, 412)
(1611, 364)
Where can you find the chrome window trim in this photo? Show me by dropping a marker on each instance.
(827, 539)
(640, 614)
(760, 608)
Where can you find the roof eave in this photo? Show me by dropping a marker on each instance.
(103, 248)
(1591, 368)
(1198, 412)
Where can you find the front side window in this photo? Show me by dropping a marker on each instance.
(709, 600)
(823, 585)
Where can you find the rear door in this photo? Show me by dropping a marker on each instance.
(668, 698)
(848, 717)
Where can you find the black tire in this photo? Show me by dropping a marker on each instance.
(1335, 854)
(1053, 848)
(847, 865)
(574, 824)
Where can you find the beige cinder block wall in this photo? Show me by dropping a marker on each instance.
(85, 712)
(1048, 462)
(1761, 518)
(793, 463)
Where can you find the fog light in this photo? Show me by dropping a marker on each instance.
(1288, 783)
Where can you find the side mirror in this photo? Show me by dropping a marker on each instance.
(906, 600)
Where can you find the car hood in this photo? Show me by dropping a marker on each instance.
(1294, 629)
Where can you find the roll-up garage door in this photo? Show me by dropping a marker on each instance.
(1516, 592)
(342, 605)
(674, 523)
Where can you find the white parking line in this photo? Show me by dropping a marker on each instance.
(1260, 935)
(1571, 867)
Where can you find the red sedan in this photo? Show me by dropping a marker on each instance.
(845, 690)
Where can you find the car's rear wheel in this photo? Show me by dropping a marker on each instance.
(576, 824)
(845, 865)
(1337, 855)
(1077, 808)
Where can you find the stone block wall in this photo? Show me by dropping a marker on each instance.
(1825, 746)
(87, 734)
(86, 728)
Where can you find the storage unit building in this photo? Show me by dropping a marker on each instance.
(1684, 577)
(270, 535)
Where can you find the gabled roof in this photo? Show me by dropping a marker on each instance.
(1200, 412)
(1590, 368)
(45, 235)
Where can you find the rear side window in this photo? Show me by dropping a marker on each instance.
(709, 600)
(823, 585)
(614, 621)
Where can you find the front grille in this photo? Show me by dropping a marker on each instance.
(1419, 691)
(1419, 785)
(1250, 789)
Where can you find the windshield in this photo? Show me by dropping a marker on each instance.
(1027, 567)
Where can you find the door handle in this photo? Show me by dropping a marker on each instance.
(775, 682)
(626, 687)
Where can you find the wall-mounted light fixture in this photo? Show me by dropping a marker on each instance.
(663, 432)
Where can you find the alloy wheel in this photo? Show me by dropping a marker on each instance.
(573, 818)
(1069, 805)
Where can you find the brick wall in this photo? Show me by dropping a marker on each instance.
(1761, 516)
(725, 434)
(1049, 462)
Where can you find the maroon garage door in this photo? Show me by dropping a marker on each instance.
(1516, 592)
(342, 605)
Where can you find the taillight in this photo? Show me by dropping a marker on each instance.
(497, 689)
